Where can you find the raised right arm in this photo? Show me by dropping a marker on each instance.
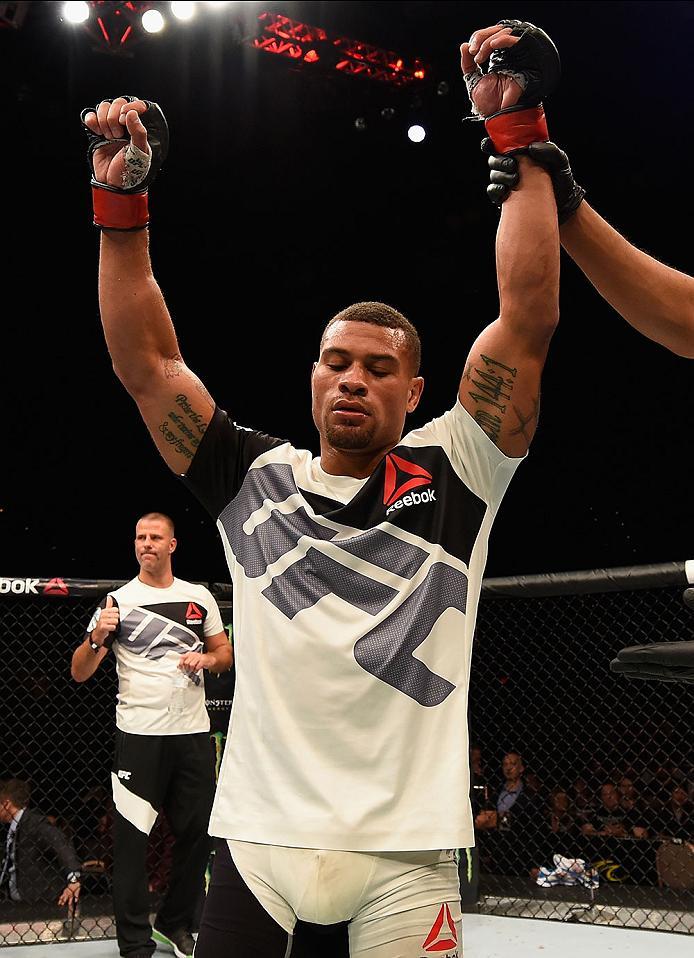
(142, 343)
(128, 143)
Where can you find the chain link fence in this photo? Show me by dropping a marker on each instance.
(58, 737)
(605, 763)
(583, 782)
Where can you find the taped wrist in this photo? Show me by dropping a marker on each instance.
(115, 210)
(515, 128)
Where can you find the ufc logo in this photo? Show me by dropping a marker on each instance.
(261, 532)
(147, 634)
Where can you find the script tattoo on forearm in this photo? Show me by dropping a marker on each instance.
(184, 428)
(493, 385)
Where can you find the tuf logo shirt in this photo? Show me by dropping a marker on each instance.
(157, 627)
(354, 613)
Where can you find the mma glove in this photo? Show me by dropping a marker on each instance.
(533, 63)
(125, 208)
(504, 176)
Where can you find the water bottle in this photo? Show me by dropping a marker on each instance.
(178, 693)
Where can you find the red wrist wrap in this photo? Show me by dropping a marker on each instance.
(119, 211)
(517, 129)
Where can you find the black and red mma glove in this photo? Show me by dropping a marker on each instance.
(124, 208)
(533, 63)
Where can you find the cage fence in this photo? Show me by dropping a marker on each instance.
(582, 780)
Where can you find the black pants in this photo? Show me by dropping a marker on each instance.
(173, 774)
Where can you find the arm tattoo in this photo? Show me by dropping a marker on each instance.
(173, 366)
(493, 383)
(184, 428)
(528, 422)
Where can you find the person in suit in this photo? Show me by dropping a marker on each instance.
(39, 863)
(515, 824)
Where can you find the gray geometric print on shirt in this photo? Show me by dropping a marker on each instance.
(176, 639)
(386, 651)
(316, 575)
(280, 532)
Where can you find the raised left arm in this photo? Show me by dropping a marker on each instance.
(500, 387)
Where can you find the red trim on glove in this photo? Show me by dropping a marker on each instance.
(517, 129)
(119, 211)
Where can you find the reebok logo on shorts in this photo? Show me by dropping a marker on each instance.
(401, 477)
(442, 935)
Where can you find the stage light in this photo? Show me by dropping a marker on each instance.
(76, 12)
(183, 9)
(360, 124)
(152, 21)
(416, 133)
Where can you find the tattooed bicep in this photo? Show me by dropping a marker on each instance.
(503, 399)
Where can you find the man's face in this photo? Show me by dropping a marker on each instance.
(627, 789)
(6, 814)
(153, 545)
(610, 797)
(512, 766)
(363, 387)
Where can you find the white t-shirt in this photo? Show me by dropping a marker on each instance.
(354, 612)
(157, 627)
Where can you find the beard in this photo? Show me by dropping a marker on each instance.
(349, 437)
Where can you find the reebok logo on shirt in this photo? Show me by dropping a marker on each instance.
(193, 614)
(402, 476)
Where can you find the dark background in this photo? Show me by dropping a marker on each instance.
(273, 212)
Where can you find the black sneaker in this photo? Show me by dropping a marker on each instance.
(180, 941)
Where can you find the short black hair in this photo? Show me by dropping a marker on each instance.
(16, 790)
(380, 314)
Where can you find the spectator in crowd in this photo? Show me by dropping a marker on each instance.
(676, 820)
(561, 818)
(607, 818)
(637, 816)
(39, 862)
(582, 800)
(516, 820)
